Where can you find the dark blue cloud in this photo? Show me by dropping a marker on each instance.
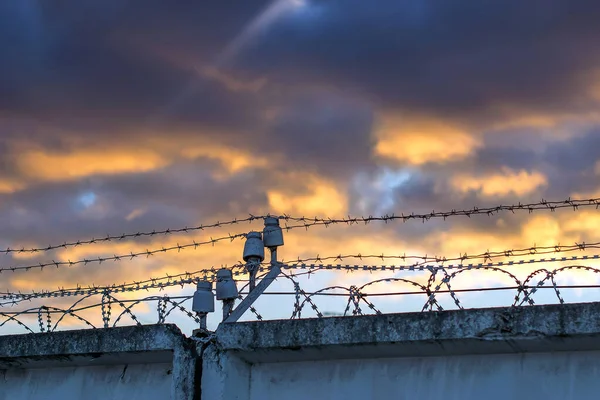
(580, 153)
(89, 69)
(322, 132)
(91, 61)
(455, 59)
(463, 60)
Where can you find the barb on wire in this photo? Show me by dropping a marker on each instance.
(486, 256)
(182, 279)
(44, 313)
(306, 222)
(435, 267)
(187, 278)
(552, 206)
(136, 235)
(130, 256)
(48, 318)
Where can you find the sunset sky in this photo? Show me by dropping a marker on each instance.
(127, 116)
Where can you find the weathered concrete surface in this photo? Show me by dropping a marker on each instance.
(157, 353)
(568, 327)
(103, 382)
(224, 376)
(550, 352)
(526, 376)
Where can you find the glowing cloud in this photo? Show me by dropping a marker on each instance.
(423, 141)
(8, 186)
(233, 160)
(322, 198)
(506, 182)
(79, 164)
(584, 223)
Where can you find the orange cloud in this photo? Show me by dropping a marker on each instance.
(82, 163)
(233, 160)
(543, 230)
(422, 141)
(323, 197)
(155, 153)
(584, 224)
(506, 182)
(9, 185)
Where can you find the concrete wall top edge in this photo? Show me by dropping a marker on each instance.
(477, 325)
(147, 338)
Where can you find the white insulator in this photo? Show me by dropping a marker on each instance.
(254, 247)
(204, 299)
(226, 288)
(272, 233)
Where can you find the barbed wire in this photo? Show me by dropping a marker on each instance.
(306, 222)
(188, 278)
(182, 279)
(552, 206)
(106, 310)
(109, 238)
(357, 294)
(44, 315)
(487, 255)
(130, 256)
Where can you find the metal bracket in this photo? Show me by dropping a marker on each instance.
(253, 295)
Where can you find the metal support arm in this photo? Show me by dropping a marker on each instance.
(253, 295)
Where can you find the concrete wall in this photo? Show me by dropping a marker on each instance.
(541, 352)
(123, 382)
(150, 362)
(565, 376)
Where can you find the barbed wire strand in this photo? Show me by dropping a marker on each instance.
(109, 238)
(488, 255)
(356, 295)
(306, 222)
(132, 255)
(240, 270)
(186, 278)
